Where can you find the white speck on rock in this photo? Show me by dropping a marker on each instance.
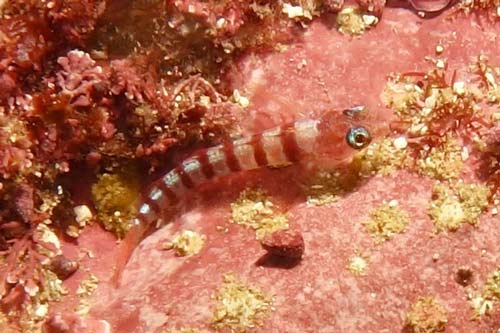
(393, 203)
(241, 100)
(220, 23)
(41, 310)
(400, 142)
(459, 88)
(464, 153)
(440, 63)
(370, 20)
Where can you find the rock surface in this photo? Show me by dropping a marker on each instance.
(321, 70)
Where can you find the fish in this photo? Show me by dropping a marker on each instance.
(335, 135)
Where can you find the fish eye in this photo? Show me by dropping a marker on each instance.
(358, 137)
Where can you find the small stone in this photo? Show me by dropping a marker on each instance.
(370, 20)
(440, 64)
(459, 88)
(41, 310)
(82, 214)
(393, 203)
(464, 154)
(490, 78)
(220, 23)
(295, 11)
(241, 100)
(400, 143)
(284, 243)
(63, 267)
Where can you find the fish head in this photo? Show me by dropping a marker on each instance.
(344, 132)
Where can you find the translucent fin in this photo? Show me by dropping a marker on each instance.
(125, 250)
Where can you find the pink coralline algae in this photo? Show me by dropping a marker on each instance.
(96, 95)
(133, 79)
(80, 77)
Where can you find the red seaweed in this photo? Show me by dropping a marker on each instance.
(70, 104)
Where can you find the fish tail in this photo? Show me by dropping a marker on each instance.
(125, 250)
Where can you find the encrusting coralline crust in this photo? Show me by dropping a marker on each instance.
(98, 97)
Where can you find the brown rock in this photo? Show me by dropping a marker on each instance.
(63, 267)
(284, 243)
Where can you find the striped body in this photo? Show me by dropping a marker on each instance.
(279, 146)
(333, 135)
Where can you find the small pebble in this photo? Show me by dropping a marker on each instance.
(82, 214)
(63, 267)
(459, 88)
(400, 142)
(284, 243)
